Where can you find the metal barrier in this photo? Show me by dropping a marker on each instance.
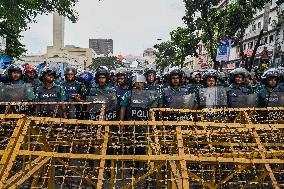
(45, 152)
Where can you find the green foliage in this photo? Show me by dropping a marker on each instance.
(174, 51)
(211, 23)
(15, 15)
(110, 62)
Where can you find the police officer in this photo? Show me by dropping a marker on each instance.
(86, 78)
(211, 96)
(136, 103)
(150, 75)
(174, 89)
(113, 78)
(237, 88)
(101, 89)
(15, 75)
(135, 106)
(49, 91)
(267, 95)
(122, 86)
(16, 90)
(30, 76)
(75, 92)
(196, 83)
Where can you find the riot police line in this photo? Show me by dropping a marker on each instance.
(129, 96)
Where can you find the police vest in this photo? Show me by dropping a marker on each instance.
(51, 95)
(108, 96)
(139, 103)
(170, 95)
(236, 96)
(71, 88)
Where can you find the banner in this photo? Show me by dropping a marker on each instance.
(223, 50)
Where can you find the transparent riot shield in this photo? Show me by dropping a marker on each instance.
(140, 103)
(213, 97)
(16, 93)
(110, 101)
(244, 101)
(182, 102)
(144, 98)
(276, 99)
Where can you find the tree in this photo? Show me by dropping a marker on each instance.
(165, 54)
(111, 62)
(174, 51)
(212, 23)
(15, 15)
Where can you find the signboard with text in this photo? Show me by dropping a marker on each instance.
(223, 50)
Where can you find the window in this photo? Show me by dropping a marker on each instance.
(253, 27)
(265, 40)
(251, 45)
(245, 46)
(270, 20)
(259, 25)
(271, 38)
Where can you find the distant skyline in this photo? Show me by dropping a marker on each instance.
(134, 25)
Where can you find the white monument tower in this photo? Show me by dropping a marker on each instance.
(58, 31)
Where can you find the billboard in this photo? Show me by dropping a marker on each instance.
(223, 50)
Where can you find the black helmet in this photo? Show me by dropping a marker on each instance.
(148, 71)
(238, 71)
(120, 73)
(269, 74)
(101, 71)
(14, 68)
(193, 74)
(175, 72)
(70, 69)
(211, 73)
(112, 73)
(48, 70)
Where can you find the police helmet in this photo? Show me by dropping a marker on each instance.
(14, 68)
(195, 74)
(148, 71)
(176, 72)
(120, 73)
(85, 77)
(112, 73)
(102, 72)
(48, 70)
(238, 71)
(70, 70)
(139, 78)
(211, 73)
(102, 67)
(29, 68)
(269, 74)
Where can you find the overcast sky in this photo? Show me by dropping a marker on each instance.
(134, 25)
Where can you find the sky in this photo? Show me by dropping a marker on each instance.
(134, 25)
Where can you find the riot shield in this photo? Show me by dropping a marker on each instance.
(110, 101)
(276, 99)
(16, 93)
(182, 102)
(244, 101)
(213, 97)
(144, 98)
(140, 103)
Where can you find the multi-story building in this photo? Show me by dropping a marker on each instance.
(272, 36)
(102, 46)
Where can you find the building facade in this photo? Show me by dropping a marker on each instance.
(102, 46)
(272, 37)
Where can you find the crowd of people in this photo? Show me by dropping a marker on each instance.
(129, 96)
